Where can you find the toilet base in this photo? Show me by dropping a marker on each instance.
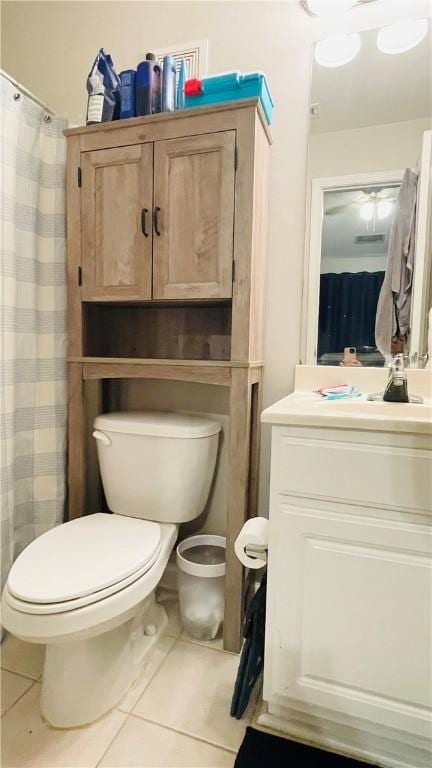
(84, 679)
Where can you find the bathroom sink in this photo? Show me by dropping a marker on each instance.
(361, 407)
(310, 409)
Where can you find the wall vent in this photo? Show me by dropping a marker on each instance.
(376, 238)
(195, 56)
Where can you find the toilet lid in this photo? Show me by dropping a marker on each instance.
(83, 557)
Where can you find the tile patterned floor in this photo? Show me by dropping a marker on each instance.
(176, 714)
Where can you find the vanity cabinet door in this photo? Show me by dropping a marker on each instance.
(349, 587)
(349, 617)
(194, 217)
(116, 206)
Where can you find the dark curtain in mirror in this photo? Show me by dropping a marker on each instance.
(347, 311)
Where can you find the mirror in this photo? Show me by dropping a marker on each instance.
(368, 278)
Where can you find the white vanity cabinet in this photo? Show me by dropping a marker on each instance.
(348, 634)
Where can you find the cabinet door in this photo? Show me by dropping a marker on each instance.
(348, 622)
(194, 217)
(116, 206)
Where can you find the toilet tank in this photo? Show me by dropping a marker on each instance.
(156, 465)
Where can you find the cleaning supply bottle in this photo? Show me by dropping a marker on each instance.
(96, 97)
(116, 85)
(127, 93)
(148, 86)
(156, 85)
(180, 104)
(168, 84)
(103, 86)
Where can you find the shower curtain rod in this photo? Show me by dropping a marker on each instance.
(27, 93)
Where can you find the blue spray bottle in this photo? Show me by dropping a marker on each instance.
(168, 84)
(181, 86)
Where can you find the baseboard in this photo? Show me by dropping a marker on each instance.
(360, 743)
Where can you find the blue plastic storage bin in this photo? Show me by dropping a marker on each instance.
(231, 87)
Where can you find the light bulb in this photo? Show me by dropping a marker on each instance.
(367, 211)
(402, 36)
(329, 7)
(338, 50)
(384, 209)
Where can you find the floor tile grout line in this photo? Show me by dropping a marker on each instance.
(184, 733)
(21, 674)
(204, 644)
(197, 644)
(192, 641)
(27, 690)
(120, 728)
(128, 711)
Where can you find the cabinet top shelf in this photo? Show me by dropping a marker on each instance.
(164, 361)
(215, 372)
(170, 116)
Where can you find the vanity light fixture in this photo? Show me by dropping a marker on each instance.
(384, 209)
(367, 211)
(402, 36)
(328, 7)
(338, 50)
(375, 207)
(331, 7)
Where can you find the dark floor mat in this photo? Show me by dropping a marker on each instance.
(262, 750)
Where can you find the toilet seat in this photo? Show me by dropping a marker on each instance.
(80, 602)
(89, 620)
(92, 558)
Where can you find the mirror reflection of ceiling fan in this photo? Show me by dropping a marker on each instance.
(372, 205)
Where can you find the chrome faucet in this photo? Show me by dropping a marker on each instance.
(396, 390)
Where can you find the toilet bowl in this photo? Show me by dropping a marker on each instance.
(86, 588)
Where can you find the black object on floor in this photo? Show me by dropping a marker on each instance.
(262, 750)
(252, 655)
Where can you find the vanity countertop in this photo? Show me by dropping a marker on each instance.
(305, 408)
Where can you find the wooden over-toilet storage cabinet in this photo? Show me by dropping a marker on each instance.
(166, 232)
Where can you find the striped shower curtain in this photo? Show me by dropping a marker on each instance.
(32, 322)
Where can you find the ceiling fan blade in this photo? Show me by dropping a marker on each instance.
(387, 193)
(336, 209)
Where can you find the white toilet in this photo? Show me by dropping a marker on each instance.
(86, 588)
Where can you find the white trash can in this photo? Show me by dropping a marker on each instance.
(201, 573)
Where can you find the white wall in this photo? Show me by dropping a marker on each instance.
(49, 47)
(376, 148)
(368, 263)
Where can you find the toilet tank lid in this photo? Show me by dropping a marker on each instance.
(157, 424)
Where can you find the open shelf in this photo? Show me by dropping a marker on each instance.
(193, 332)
